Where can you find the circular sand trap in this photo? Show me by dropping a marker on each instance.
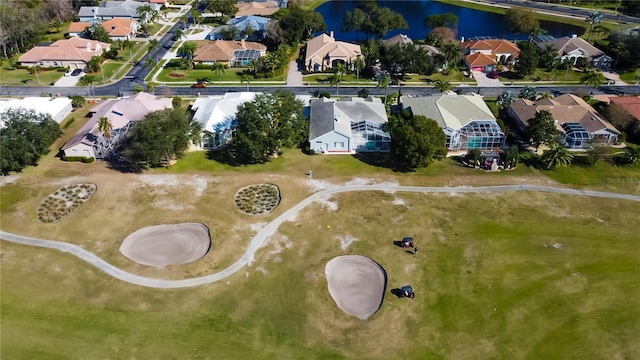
(357, 284)
(164, 245)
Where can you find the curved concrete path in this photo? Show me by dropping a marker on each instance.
(262, 237)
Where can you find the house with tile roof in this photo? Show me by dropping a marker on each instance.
(483, 55)
(73, 53)
(347, 126)
(580, 124)
(89, 141)
(117, 28)
(402, 39)
(466, 120)
(630, 104)
(231, 53)
(574, 48)
(261, 8)
(127, 9)
(324, 52)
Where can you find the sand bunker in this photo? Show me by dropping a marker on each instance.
(164, 245)
(357, 284)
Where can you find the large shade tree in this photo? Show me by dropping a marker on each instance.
(371, 19)
(542, 129)
(160, 137)
(186, 52)
(266, 126)
(416, 141)
(25, 136)
(520, 20)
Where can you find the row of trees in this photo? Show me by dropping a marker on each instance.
(23, 24)
(372, 20)
(24, 138)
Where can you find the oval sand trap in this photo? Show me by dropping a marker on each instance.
(164, 245)
(357, 284)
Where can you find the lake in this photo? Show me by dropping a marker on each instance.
(471, 22)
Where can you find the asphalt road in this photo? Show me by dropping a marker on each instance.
(580, 13)
(262, 237)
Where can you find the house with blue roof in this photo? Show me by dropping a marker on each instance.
(255, 24)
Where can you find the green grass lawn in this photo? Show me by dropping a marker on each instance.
(23, 77)
(573, 76)
(491, 283)
(194, 75)
(631, 76)
(455, 77)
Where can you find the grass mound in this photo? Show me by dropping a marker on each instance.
(64, 202)
(259, 199)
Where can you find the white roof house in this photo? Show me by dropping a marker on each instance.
(348, 126)
(91, 143)
(217, 115)
(465, 119)
(58, 107)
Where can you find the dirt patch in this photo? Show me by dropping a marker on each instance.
(164, 245)
(357, 284)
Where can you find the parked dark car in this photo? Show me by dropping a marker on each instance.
(76, 72)
(492, 75)
(199, 85)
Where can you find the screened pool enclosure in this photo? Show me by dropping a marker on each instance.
(369, 137)
(479, 134)
(575, 136)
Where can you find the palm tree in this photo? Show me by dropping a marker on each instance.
(451, 53)
(383, 83)
(253, 65)
(557, 155)
(153, 46)
(452, 71)
(632, 154)
(442, 85)
(195, 14)
(565, 64)
(186, 52)
(246, 79)
(593, 78)
(473, 156)
(358, 64)
(105, 127)
(335, 80)
(151, 87)
(195, 132)
(511, 155)
(179, 34)
(594, 18)
(340, 70)
(128, 44)
(218, 69)
(150, 63)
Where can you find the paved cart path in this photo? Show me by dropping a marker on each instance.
(263, 236)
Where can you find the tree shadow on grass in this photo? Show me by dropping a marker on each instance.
(397, 292)
(383, 160)
(123, 166)
(533, 161)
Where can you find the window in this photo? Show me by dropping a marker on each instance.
(338, 144)
(55, 63)
(40, 63)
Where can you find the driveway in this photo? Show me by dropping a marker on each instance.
(484, 81)
(610, 75)
(68, 81)
(294, 77)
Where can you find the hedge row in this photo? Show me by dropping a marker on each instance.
(86, 160)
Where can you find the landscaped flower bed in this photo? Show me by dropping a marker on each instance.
(257, 199)
(64, 202)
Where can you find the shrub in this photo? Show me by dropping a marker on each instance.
(68, 123)
(324, 94)
(77, 101)
(83, 159)
(363, 93)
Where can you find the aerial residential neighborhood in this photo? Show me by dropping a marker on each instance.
(253, 179)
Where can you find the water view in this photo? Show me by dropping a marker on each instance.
(472, 22)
